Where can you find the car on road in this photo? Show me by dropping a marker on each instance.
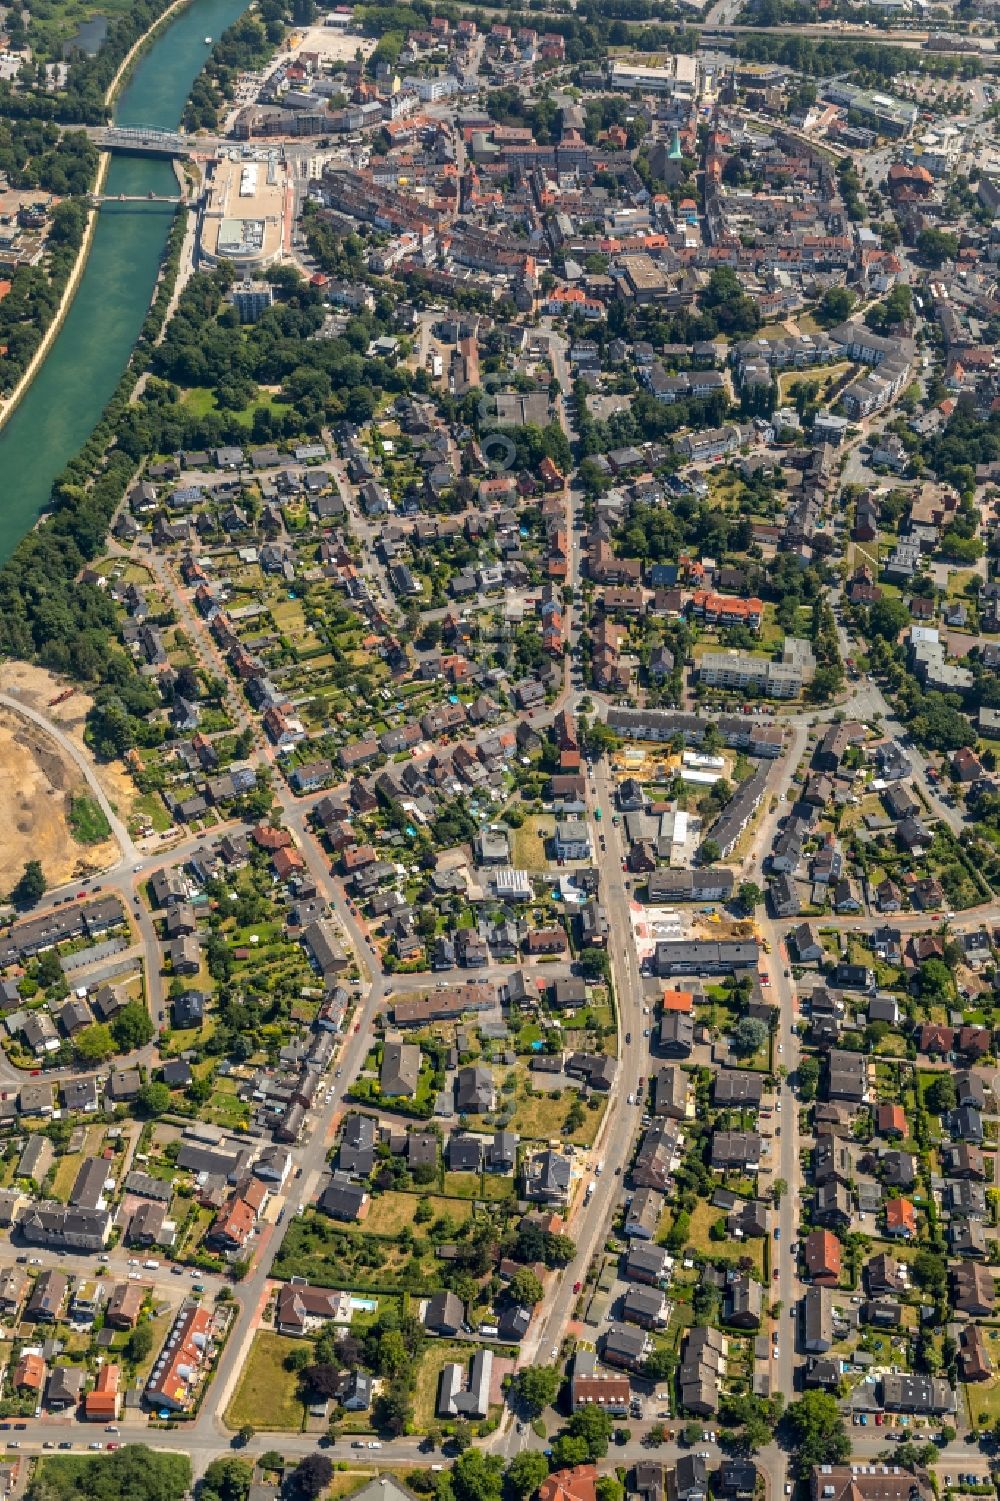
(577, 1286)
(555, 1352)
(66, 1444)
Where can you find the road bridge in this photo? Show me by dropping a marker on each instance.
(147, 140)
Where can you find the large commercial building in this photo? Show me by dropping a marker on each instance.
(241, 217)
(680, 77)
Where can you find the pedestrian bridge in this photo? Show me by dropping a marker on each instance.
(97, 199)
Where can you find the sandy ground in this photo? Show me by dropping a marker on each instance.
(36, 786)
(332, 44)
(38, 688)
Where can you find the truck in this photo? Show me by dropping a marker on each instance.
(597, 814)
(600, 1167)
(590, 1190)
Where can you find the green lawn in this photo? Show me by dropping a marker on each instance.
(201, 400)
(703, 1217)
(391, 1211)
(983, 1397)
(437, 1355)
(267, 1394)
(152, 805)
(87, 822)
(529, 843)
(541, 1117)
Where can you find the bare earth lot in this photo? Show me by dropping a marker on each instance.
(38, 782)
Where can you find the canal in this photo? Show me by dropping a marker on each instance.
(77, 379)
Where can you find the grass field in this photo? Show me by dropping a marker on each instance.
(391, 1211)
(435, 1357)
(983, 1397)
(267, 1394)
(201, 400)
(87, 822)
(703, 1217)
(66, 1170)
(541, 1117)
(152, 805)
(529, 843)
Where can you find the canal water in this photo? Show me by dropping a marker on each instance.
(67, 396)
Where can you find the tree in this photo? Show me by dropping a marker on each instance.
(835, 307)
(50, 971)
(322, 1379)
(886, 618)
(609, 1488)
(748, 1035)
(31, 887)
(568, 1452)
(659, 1365)
(526, 1472)
(132, 1028)
(139, 1343)
(227, 1479)
(937, 245)
(477, 1476)
(692, 1433)
(593, 1425)
(134, 1472)
(750, 895)
(778, 1190)
(94, 1043)
(941, 1095)
(597, 738)
(937, 985)
(808, 1077)
(710, 852)
(312, 1476)
(705, 1302)
(930, 1272)
(538, 1387)
(818, 1428)
(525, 1288)
(392, 1408)
(245, 1434)
(153, 1099)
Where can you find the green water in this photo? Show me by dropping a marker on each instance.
(84, 365)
